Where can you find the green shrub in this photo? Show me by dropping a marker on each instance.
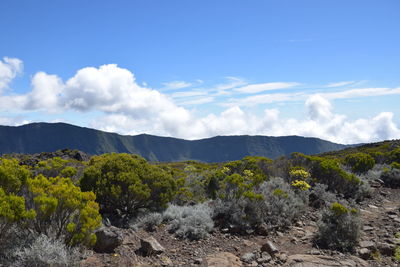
(280, 204)
(395, 165)
(397, 253)
(12, 175)
(274, 203)
(391, 177)
(395, 155)
(127, 183)
(328, 171)
(339, 228)
(12, 212)
(57, 166)
(360, 162)
(63, 210)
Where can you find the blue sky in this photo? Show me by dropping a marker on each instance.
(196, 69)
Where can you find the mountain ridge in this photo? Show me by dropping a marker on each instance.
(49, 137)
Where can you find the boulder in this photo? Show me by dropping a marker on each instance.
(270, 248)
(150, 246)
(223, 259)
(108, 238)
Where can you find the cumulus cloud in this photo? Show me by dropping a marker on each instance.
(9, 69)
(318, 108)
(126, 107)
(45, 94)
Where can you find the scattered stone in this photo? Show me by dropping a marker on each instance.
(265, 257)
(150, 246)
(108, 238)
(386, 249)
(367, 244)
(198, 261)
(303, 260)
(373, 206)
(367, 228)
(252, 264)
(282, 257)
(91, 261)
(391, 212)
(314, 252)
(262, 229)
(364, 253)
(270, 248)
(223, 259)
(248, 243)
(248, 257)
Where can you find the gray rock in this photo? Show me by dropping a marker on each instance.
(265, 257)
(198, 261)
(367, 244)
(108, 238)
(364, 253)
(270, 248)
(248, 257)
(150, 246)
(282, 257)
(252, 264)
(367, 228)
(314, 252)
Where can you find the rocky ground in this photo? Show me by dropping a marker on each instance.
(294, 247)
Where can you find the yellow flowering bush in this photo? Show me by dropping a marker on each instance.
(302, 185)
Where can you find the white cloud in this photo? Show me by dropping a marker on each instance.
(9, 69)
(261, 87)
(46, 92)
(362, 92)
(174, 85)
(128, 108)
(13, 121)
(232, 82)
(188, 94)
(339, 84)
(255, 100)
(198, 101)
(318, 108)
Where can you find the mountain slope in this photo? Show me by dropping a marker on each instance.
(48, 137)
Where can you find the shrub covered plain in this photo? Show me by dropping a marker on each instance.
(56, 201)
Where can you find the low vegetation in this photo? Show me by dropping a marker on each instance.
(339, 228)
(51, 207)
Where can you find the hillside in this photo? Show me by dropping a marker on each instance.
(39, 137)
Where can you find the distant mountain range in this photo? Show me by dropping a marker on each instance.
(49, 137)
